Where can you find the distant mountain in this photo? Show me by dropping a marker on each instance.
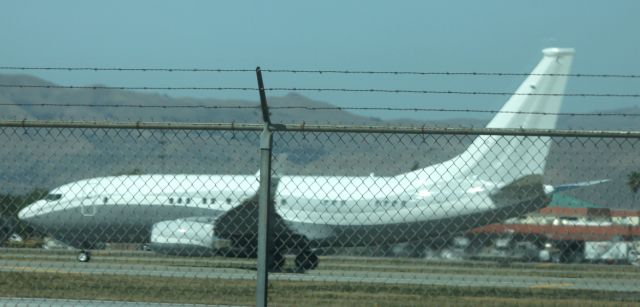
(286, 109)
(19, 103)
(45, 158)
(625, 119)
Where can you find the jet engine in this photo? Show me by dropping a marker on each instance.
(187, 237)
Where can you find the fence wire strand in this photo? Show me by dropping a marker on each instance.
(308, 89)
(308, 108)
(322, 71)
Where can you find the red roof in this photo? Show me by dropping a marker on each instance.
(584, 212)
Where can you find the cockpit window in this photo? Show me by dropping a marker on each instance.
(52, 197)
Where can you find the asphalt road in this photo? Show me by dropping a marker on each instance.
(373, 275)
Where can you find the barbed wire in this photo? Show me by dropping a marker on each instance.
(123, 69)
(308, 108)
(448, 73)
(301, 89)
(454, 110)
(104, 87)
(319, 71)
(443, 92)
(132, 106)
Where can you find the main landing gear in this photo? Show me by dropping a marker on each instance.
(305, 260)
(277, 262)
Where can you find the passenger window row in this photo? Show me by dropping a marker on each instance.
(187, 200)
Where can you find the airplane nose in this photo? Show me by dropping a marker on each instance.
(29, 211)
(24, 214)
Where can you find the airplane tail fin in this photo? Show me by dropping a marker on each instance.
(538, 99)
(534, 106)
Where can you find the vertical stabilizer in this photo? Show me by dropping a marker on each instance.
(524, 108)
(533, 106)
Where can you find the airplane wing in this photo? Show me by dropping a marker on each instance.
(230, 233)
(240, 225)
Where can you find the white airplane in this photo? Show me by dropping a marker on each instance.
(496, 178)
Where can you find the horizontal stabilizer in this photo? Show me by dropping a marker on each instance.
(577, 185)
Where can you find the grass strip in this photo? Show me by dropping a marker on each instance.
(289, 293)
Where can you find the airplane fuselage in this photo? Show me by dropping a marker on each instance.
(344, 211)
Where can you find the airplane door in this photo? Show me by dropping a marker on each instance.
(89, 208)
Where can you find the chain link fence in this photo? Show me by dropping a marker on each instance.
(363, 216)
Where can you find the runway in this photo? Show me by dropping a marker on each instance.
(28, 302)
(373, 275)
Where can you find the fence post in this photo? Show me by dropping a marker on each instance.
(265, 211)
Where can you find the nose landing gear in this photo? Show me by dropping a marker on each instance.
(84, 256)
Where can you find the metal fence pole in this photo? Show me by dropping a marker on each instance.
(265, 209)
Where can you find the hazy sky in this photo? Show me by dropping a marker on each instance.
(456, 36)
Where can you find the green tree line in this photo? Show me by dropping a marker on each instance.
(10, 205)
(634, 181)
